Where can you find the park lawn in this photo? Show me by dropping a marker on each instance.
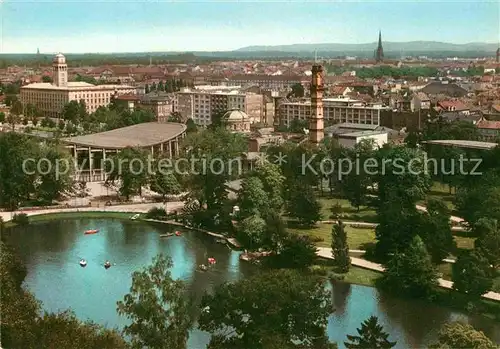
(445, 270)
(357, 238)
(464, 242)
(441, 191)
(349, 213)
(361, 276)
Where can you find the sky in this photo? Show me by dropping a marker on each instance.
(71, 26)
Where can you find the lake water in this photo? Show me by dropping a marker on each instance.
(52, 251)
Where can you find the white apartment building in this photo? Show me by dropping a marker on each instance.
(335, 110)
(50, 98)
(201, 103)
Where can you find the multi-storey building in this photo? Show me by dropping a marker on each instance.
(271, 82)
(50, 98)
(202, 103)
(335, 110)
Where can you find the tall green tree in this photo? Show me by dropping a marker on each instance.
(303, 205)
(290, 306)
(410, 272)
(462, 336)
(17, 181)
(436, 232)
(15, 113)
(130, 168)
(165, 183)
(215, 159)
(71, 112)
(55, 176)
(340, 248)
(488, 241)
(191, 126)
(158, 308)
(371, 335)
(472, 274)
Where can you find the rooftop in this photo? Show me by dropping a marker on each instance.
(463, 144)
(73, 85)
(140, 135)
(361, 134)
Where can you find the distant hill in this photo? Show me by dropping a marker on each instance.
(411, 46)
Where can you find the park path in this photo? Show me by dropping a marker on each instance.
(131, 208)
(374, 225)
(326, 252)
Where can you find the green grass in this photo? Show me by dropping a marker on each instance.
(361, 276)
(445, 270)
(441, 191)
(365, 214)
(71, 215)
(357, 238)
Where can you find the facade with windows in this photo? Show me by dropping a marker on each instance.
(202, 103)
(50, 98)
(335, 110)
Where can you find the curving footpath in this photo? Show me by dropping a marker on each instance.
(132, 208)
(326, 252)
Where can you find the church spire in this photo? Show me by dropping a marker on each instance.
(379, 52)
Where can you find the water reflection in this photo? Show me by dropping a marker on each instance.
(52, 251)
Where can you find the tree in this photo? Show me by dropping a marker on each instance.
(410, 272)
(355, 184)
(290, 306)
(16, 181)
(221, 151)
(252, 198)
(251, 231)
(175, 117)
(340, 248)
(2, 117)
(191, 126)
(297, 91)
(294, 251)
(46, 78)
(55, 176)
(472, 274)
(303, 205)
(371, 335)
(23, 325)
(158, 308)
(436, 231)
(71, 112)
(298, 125)
(129, 166)
(488, 241)
(273, 182)
(15, 112)
(401, 183)
(165, 184)
(458, 335)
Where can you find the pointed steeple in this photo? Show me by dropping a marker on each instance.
(379, 52)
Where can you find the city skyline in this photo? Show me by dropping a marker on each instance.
(221, 26)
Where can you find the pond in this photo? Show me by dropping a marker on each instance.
(52, 250)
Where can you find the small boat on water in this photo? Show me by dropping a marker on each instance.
(203, 267)
(211, 260)
(134, 217)
(166, 235)
(83, 263)
(107, 265)
(91, 231)
(178, 233)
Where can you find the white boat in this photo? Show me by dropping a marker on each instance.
(83, 263)
(134, 217)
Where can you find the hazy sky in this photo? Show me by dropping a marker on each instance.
(148, 25)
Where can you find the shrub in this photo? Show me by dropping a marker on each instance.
(21, 219)
(156, 213)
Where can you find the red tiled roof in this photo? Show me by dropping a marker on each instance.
(486, 124)
(457, 105)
